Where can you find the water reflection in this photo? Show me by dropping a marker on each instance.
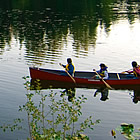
(70, 92)
(69, 89)
(104, 93)
(135, 95)
(45, 28)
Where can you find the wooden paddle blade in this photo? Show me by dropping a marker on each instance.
(70, 76)
(107, 85)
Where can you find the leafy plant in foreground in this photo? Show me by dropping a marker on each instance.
(53, 117)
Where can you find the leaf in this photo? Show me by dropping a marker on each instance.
(136, 134)
(113, 132)
(130, 137)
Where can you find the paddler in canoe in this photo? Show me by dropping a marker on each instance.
(135, 73)
(103, 73)
(70, 68)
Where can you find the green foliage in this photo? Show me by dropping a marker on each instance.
(53, 117)
(13, 127)
(128, 131)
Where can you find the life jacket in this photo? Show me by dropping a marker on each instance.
(102, 72)
(136, 71)
(67, 67)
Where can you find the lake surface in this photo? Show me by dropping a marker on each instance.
(44, 34)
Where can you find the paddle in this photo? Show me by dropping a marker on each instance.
(124, 72)
(127, 71)
(107, 85)
(118, 76)
(68, 73)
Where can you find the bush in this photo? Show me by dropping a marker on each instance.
(55, 120)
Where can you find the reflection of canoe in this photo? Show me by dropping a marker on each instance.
(45, 84)
(83, 79)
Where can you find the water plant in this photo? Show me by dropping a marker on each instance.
(51, 116)
(128, 131)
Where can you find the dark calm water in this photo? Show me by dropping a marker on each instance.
(43, 33)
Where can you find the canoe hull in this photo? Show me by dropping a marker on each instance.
(55, 75)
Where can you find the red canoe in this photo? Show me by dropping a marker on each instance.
(116, 80)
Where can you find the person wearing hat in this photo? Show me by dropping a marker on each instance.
(102, 72)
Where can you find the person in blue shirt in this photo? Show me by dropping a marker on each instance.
(70, 68)
(102, 72)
